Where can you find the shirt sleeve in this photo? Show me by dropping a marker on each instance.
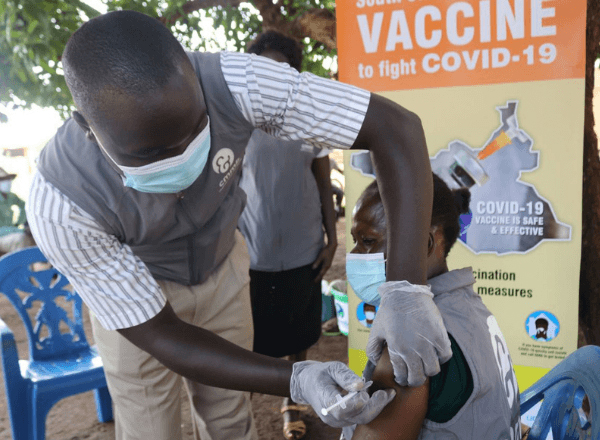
(291, 105)
(114, 283)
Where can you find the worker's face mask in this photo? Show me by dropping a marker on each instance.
(5, 186)
(174, 174)
(365, 273)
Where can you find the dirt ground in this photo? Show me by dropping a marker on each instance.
(74, 418)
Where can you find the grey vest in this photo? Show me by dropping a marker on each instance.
(180, 237)
(492, 411)
(282, 221)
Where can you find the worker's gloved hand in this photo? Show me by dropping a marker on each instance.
(411, 324)
(318, 384)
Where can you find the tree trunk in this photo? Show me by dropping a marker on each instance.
(589, 287)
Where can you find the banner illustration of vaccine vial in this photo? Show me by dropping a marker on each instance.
(499, 87)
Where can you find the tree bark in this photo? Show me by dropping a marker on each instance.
(589, 288)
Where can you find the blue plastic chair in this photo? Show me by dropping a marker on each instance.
(563, 390)
(61, 362)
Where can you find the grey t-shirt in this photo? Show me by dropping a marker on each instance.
(282, 220)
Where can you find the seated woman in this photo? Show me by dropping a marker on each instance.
(475, 396)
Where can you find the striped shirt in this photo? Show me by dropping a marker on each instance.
(113, 282)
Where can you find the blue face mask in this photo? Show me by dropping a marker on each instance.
(365, 273)
(174, 174)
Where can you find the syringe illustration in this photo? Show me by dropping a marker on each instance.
(503, 139)
(467, 170)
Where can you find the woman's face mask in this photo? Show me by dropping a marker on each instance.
(365, 273)
(172, 175)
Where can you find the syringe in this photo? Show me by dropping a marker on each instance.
(341, 401)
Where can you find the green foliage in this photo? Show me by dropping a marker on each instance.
(33, 34)
(32, 37)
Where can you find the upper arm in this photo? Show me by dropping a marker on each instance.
(382, 118)
(114, 283)
(398, 148)
(403, 417)
(321, 170)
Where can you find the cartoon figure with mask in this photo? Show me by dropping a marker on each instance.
(541, 325)
(369, 311)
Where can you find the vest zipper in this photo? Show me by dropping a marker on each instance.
(192, 257)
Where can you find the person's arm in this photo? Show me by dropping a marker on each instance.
(408, 319)
(403, 417)
(204, 357)
(396, 140)
(330, 114)
(321, 170)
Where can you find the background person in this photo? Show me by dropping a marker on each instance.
(13, 233)
(475, 395)
(136, 200)
(289, 203)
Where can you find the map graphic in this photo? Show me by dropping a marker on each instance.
(506, 214)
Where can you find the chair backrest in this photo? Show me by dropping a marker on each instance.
(563, 390)
(47, 304)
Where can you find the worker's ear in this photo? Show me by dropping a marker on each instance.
(78, 117)
(430, 243)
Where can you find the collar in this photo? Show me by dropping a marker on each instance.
(451, 280)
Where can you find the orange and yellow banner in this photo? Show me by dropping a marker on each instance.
(499, 86)
(414, 44)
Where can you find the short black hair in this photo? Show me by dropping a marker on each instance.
(448, 205)
(121, 52)
(287, 46)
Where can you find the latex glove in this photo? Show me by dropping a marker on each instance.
(414, 330)
(318, 384)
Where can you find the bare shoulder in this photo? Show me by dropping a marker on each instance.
(403, 417)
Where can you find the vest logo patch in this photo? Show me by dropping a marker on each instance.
(223, 160)
(505, 368)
